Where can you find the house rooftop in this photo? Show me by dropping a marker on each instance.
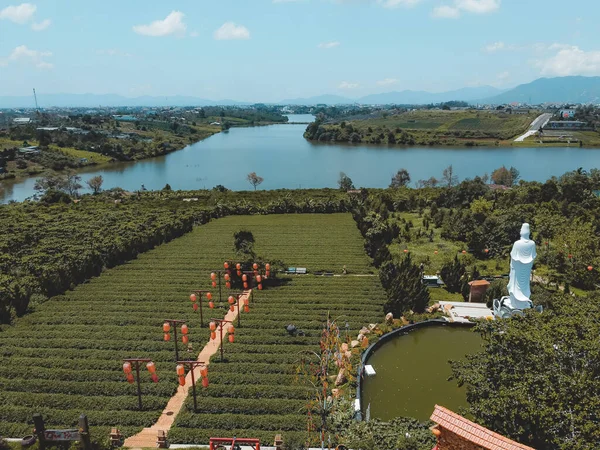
(471, 432)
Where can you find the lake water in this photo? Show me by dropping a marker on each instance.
(412, 373)
(281, 155)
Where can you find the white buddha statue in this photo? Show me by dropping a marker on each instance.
(521, 261)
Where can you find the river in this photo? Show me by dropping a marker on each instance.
(281, 155)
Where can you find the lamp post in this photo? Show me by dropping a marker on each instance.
(168, 323)
(213, 327)
(197, 295)
(136, 362)
(192, 365)
(216, 274)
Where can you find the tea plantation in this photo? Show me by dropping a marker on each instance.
(65, 358)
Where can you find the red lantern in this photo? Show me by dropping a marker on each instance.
(127, 368)
(204, 372)
(231, 308)
(213, 276)
(184, 329)
(228, 285)
(570, 256)
(405, 251)
(151, 367)
(267, 267)
(167, 337)
(209, 296)
(182, 381)
(590, 268)
(238, 267)
(193, 297)
(255, 266)
(166, 327)
(154, 378)
(231, 338)
(226, 265)
(260, 287)
(435, 253)
(239, 273)
(214, 284)
(212, 326)
(546, 243)
(464, 252)
(244, 277)
(226, 276)
(231, 329)
(185, 339)
(258, 278)
(213, 335)
(195, 306)
(246, 308)
(211, 305)
(180, 370)
(487, 250)
(205, 382)
(231, 300)
(245, 285)
(267, 274)
(130, 378)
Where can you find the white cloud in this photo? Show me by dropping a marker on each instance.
(347, 85)
(495, 47)
(229, 31)
(503, 77)
(469, 6)
(387, 82)
(41, 26)
(35, 57)
(194, 34)
(172, 24)
(113, 52)
(478, 6)
(332, 44)
(445, 12)
(18, 14)
(571, 61)
(397, 3)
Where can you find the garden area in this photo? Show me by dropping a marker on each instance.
(66, 356)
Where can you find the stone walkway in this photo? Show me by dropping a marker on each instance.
(147, 437)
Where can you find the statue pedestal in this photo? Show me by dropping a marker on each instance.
(503, 308)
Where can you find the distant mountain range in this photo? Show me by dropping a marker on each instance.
(401, 97)
(110, 100)
(543, 90)
(551, 90)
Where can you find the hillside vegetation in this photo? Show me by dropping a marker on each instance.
(425, 127)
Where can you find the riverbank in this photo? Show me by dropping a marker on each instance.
(426, 128)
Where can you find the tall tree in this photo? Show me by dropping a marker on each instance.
(254, 179)
(404, 286)
(448, 176)
(95, 183)
(536, 379)
(402, 178)
(345, 182)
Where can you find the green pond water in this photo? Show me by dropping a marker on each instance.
(412, 373)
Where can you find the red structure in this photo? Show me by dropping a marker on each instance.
(231, 443)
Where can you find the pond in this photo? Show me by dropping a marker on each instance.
(412, 372)
(281, 155)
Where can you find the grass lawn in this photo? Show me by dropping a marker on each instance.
(79, 154)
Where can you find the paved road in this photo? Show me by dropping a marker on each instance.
(535, 126)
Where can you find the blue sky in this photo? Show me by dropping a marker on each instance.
(268, 50)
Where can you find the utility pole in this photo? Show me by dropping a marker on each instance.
(37, 108)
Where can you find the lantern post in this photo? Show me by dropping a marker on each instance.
(197, 295)
(237, 296)
(168, 323)
(135, 362)
(221, 324)
(203, 374)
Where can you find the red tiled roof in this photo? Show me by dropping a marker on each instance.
(472, 432)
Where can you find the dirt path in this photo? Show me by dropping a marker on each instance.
(147, 437)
